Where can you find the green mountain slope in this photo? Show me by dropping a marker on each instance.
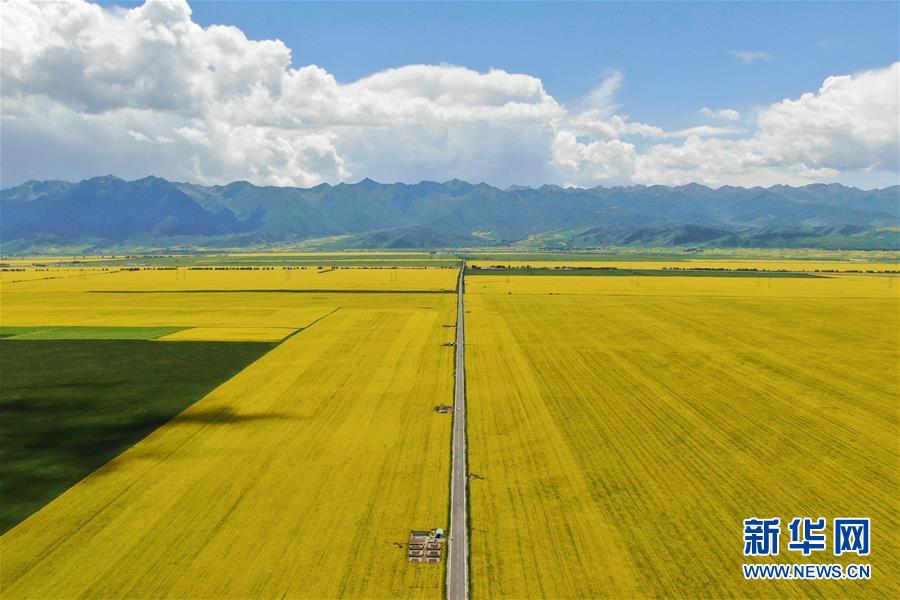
(108, 212)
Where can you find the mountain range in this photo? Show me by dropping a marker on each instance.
(105, 213)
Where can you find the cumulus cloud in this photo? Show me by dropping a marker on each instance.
(595, 161)
(236, 107)
(850, 123)
(88, 90)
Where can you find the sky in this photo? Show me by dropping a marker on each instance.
(584, 94)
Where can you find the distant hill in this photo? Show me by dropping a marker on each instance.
(152, 213)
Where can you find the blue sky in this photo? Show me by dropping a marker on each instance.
(584, 94)
(675, 56)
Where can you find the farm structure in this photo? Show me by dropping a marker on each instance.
(425, 546)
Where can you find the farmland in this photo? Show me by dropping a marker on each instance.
(182, 298)
(620, 429)
(302, 475)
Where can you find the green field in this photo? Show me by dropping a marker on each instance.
(69, 406)
(8, 332)
(85, 333)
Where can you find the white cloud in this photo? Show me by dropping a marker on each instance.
(851, 123)
(87, 90)
(192, 136)
(602, 99)
(238, 108)
(702, 131)
(729, 114)
(593, 161)
(748, 57)
(593, 124)
(138, 136)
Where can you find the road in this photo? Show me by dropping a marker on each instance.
(458, 551)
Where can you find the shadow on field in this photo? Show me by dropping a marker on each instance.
(203, 417)
(68, 407)
(224, 416)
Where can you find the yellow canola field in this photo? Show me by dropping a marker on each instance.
(300, 477)
(619, 435)
(235, 279)
(18, 276)
(831, 286)
(228, 334)
(185, 298)
(23, 308)
(728, 264)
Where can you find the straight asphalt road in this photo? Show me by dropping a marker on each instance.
(458, 551)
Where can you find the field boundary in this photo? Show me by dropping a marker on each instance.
(302, 329)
